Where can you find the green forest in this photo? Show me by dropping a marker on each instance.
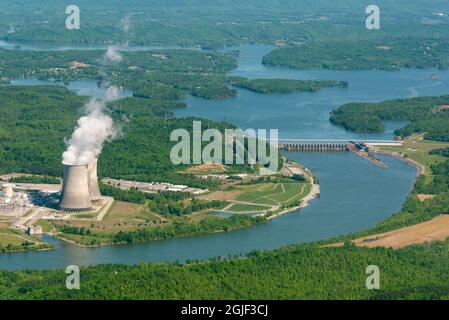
(390, 55)
(212, 24)
(425, 114)
(285, 85)
(157, 75)
(296, 272)
(33, 135)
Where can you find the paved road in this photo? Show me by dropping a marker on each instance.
(28, 220)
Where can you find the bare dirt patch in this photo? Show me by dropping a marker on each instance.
(208, 168)
(223, 195)
(424, 197)
(442, 108)
(432, 230)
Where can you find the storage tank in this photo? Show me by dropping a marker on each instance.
(75, 195)
(94, 190)
(7, 190)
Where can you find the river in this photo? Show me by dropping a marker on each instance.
(355, 194)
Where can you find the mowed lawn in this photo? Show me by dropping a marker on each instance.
(122, 216)
(240, 207)
(262, 197)
(417, 149)
(271, 193)
(11, 237)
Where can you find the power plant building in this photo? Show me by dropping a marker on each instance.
(7, 190)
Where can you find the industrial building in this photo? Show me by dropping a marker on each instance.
(34, 230)
(9, 199)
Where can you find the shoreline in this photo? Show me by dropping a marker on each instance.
(314, 192)
(305, 201)
(45, 248)
(73, 242)
(420, 169)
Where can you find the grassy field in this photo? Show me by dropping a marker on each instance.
(241, 208)
(8, 237)
(262, 197)
(13, 240)
(122, 217)
(418, 149)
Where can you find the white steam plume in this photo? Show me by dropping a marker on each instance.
(93, 130)
(126, 24)
(95, 127)
(112, 55)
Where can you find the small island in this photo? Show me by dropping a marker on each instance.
(272, 86)
(429, 115)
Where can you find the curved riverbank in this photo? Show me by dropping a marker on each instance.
(305, 202)
(420, 169)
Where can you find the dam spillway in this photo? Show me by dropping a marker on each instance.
(315, 147)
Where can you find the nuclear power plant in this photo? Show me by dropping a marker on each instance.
(80, 187)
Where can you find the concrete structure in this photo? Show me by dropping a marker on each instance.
(7, 190)
(34, 230)
(75, 195)
(317, 147)
(94, 190)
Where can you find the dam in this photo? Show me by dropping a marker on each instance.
(298, 145)
(315, 147)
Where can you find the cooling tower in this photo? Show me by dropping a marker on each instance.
(94, 190)
(75, 189)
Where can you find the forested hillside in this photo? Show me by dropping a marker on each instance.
(385, 54)
(296, 272)
(426, 114)
(156, 75)
(36, 120)
(214, 24)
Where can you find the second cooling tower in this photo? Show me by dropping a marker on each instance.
(75, 194)
(94, 190)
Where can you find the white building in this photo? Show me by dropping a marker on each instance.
(34, 230)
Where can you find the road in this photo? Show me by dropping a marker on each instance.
(36, 214)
